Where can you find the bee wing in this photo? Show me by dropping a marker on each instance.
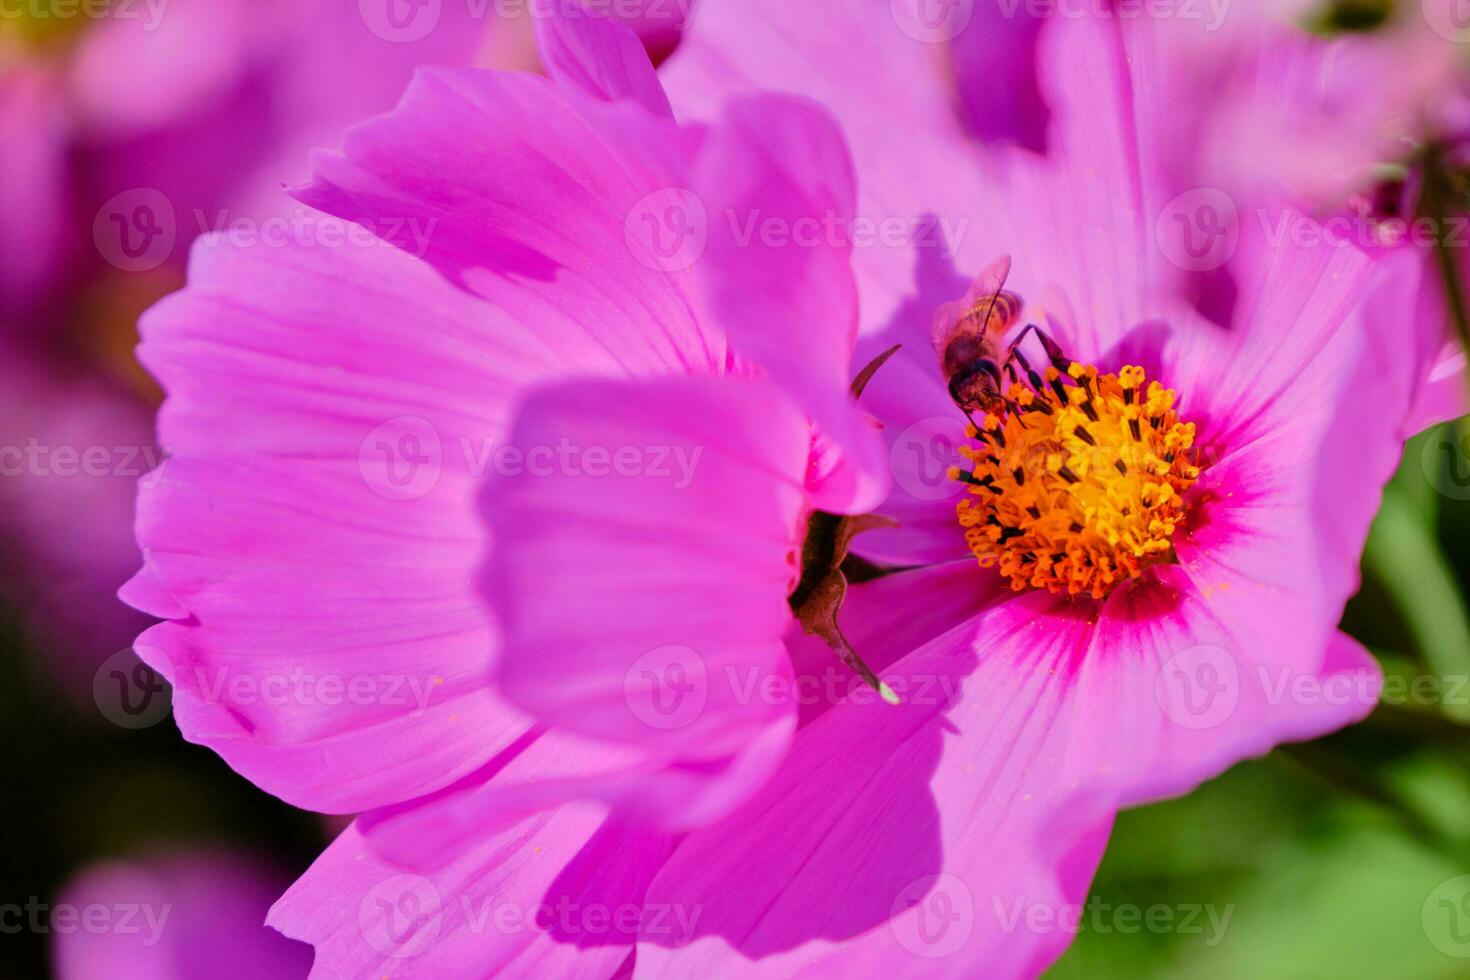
(946, 318)
(991, 282)
(988, 285)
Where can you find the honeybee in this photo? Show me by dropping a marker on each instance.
(968, 335)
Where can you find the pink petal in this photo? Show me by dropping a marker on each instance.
(526, 902)
(556, 768)
(1428, 342)
(1275, 406)
(1443, 396)
(668, 555)
(312, 539)
(1073, 220)
(660, 23)
(499, 181)
(916, 840)
(778, 273)
(601, 57)
(995, 72)
(827, 52)
(1261, 376)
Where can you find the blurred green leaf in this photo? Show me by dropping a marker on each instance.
(1295, 883)
(1404, 557)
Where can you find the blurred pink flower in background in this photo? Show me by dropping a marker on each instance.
(172, 917)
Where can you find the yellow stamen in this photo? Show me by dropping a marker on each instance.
(1086, 495)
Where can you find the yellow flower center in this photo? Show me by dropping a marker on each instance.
(1083, 486)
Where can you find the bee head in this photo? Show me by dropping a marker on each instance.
(977, 388)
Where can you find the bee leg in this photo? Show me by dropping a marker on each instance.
(1059, 361)
(1054, 353)
(1031, 374)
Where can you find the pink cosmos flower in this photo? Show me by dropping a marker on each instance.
(329, 411)
(172, 917)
